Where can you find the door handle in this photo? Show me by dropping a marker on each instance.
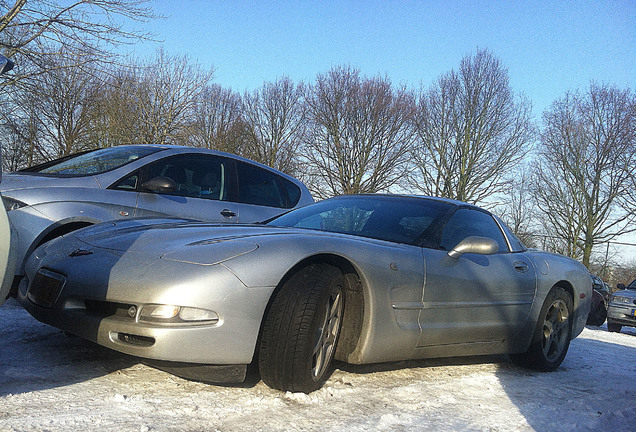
(227, 213)
(521, 267)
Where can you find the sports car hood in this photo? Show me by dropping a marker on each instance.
(177, 239)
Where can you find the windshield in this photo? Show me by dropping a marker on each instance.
(95, 162)
(406, 220)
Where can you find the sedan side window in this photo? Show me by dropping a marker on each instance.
(195, 176)
(260, 187)
(465, 223)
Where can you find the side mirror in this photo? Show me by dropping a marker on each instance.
(160, 184)
(476, 245)
(5, 64)
(620, 286)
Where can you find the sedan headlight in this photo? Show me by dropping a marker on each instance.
(620, 299)
(177, 314)
(12, 204)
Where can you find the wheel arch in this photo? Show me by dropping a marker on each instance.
(57, 230)
(354, 314)
(567, 286)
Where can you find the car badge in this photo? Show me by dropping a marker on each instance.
(79, 252)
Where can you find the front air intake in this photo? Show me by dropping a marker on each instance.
(136, 340)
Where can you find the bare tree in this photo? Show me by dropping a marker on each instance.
(585, 178)
(276, 121)
(21, 139)
(166, 96)
(64, 100)
(472, 132)
(217, 122)
(519, 211)
(32, 31)
(117, 115)
(153, 102)
(360, 134)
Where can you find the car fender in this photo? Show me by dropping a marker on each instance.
(394, 271)
(556, 270)
(44, 222)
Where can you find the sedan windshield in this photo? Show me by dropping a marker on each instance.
(406, 220)
(94, 162)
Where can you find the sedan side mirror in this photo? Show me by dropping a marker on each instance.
(620, 286)
(160, 184)
(5, 64)
(476, 245)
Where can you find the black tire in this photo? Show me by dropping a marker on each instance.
(301, 329)
(597, 316)
(552, 335)
(613, 327)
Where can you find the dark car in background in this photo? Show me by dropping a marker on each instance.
(600, 298)
(49, 200)
(622, 308)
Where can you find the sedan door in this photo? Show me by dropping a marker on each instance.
(474, 298)
(201, 189)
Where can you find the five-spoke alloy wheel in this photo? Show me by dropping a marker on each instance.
(552, 335)
(300, 332)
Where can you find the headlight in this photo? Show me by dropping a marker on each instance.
(12, 204)
(177, 314)
(619, 299)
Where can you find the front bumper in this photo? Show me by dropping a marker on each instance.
(622, 314)
(95, 307)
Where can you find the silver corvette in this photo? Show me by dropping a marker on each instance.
(360, 278)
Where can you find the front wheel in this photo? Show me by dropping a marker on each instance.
(613, 327)
(597, 316)
(301, 329)
(552, 335)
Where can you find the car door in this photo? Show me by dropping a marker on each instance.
(474, 298)
(202, 188)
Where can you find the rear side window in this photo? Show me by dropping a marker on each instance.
(261, 187)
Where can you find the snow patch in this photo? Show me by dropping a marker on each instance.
(49, 381)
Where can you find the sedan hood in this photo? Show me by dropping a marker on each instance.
(16, 181)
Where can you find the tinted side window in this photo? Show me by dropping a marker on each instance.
(196, 176)
(293, 192)
(413, 221)
(260, 187)
(516, 244)
(465, 223)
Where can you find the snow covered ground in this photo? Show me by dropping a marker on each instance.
(51, 382)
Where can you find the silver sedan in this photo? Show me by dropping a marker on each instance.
(360, 278)
(49, 200)
(621, 310)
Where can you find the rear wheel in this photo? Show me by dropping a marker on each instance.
(552, 335)
(301, 330)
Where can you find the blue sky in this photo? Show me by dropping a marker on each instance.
(548, 47)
